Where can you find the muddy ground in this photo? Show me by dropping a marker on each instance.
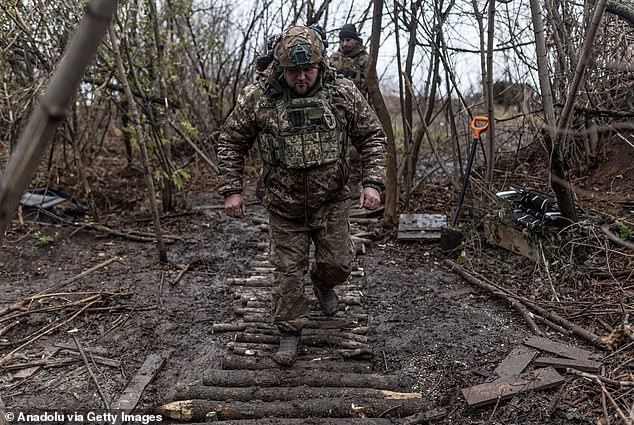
(425, 322)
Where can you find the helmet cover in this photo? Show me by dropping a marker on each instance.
(299, 47)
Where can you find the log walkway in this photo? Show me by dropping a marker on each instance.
(332, 379)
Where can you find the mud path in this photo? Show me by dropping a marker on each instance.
(422, 325)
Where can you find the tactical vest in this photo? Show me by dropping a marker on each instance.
(349, 69)
(308, 133)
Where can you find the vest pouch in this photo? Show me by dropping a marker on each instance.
(310, 149)
(309, 133)
(267, 147)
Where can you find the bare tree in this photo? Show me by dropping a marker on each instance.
(391, 187)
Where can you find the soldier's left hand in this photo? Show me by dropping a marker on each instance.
(370, 198)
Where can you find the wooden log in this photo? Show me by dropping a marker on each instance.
(311, 340)
(322, 322)
(252, 352)
(307, 334)
(206, 392)
(360, 330)
(266, 350)
(326, 365)
(263, 264)
(262, 330)
(196, 410)
(250, 299)
(290, 378)
(363, 220)
(253, 281)
(260, 311)
(228, 327)
(261, 270)
(270, 328)
(255, 303)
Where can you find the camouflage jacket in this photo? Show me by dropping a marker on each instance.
(352, 66)
(294, 193)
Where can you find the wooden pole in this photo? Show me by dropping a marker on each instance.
(196, 410)
(205, 392)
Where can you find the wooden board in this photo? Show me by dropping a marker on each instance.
(420, 227)
(558, 348)
(584, 365)
(515, 363)
(511, 239)
(132, 394)
(539, 379)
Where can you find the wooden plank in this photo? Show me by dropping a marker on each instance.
(539, 379)
(584, 365)
(558, 348)
(132, 394)
(420, 227)
(511, 239)
(515, 363)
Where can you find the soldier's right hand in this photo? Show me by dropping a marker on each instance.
(235, 205)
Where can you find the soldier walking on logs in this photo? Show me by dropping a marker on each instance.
(301, 116)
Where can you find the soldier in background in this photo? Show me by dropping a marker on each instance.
(349, 61)
(302, 117)
(351, 58)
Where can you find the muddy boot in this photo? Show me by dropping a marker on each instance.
(328, 301)
(289, 341)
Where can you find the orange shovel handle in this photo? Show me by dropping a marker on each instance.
(477, 130)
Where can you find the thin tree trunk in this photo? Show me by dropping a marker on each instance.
(391, 186)
(489, 92)
(558, 178)
(49, 113)
(163, 130)
(142, 144)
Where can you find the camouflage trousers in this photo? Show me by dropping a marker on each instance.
(328, 228)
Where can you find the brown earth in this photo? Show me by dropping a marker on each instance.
(425, 322)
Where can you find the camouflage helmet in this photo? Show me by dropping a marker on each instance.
(299, 47)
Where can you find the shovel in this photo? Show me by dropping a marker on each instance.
(450, 237)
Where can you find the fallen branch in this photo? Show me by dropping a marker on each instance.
(180, 274)
(603, 379)
(9, 356)
(614, 238)
(130, 236)
(76, 277)
(92, 375)
(576, 329)
(528, 318)
(604, 391)
(21, 305)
